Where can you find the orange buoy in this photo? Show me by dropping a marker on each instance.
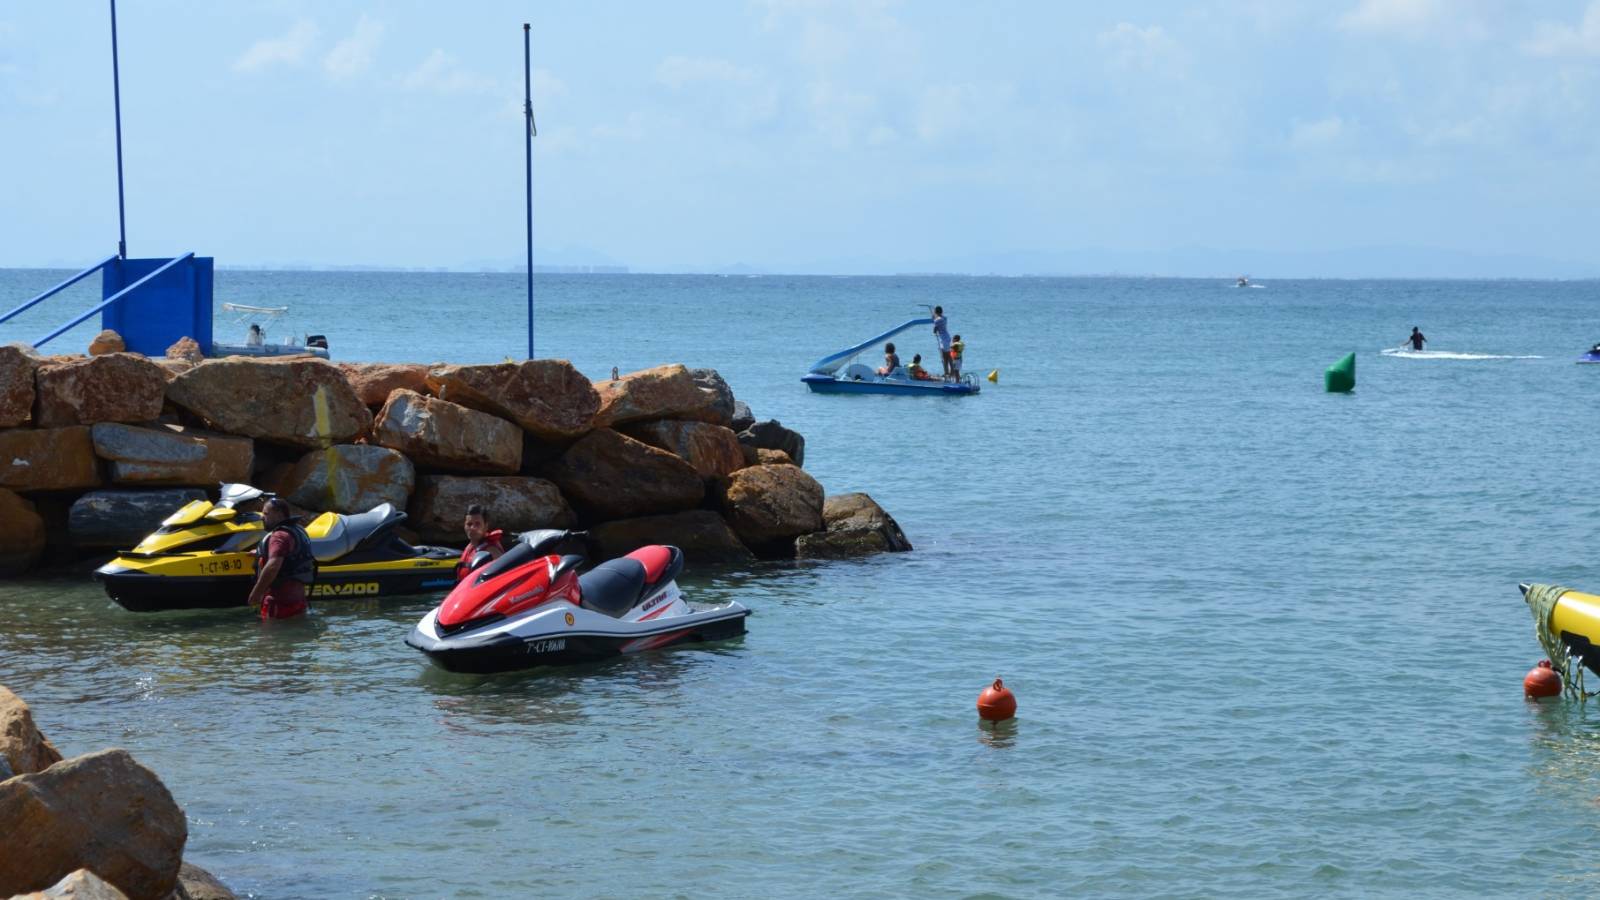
(996, 703)
(1541, 681)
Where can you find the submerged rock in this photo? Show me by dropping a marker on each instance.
(770, 434)
(349, 478)
(515, 503)
(22, 534)
(18, 363)
(663, 392)
(374, 382)
(117, 387)
(701, 534)
(855, 526)
(446, 435)
(121, 518)
(171, 454)
(273, 400)
(101, 811)
(608, 475)
(770, 505)
(48, 459)
(712, 450)
(23, 748)
(545, 397)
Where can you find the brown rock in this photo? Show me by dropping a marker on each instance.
(102, 811)
(701, 534)
(761, 456)
(80, 885)
(712, 450)
(855, 526)
(362, 476)
(195, 883)
(23, 749)
(374, 382)
(17, 365)
(273, 400)
(664, 392)
(172, 454)
(769, 434)
(446, 435)
(514, 503)
(186, 349)
(22, 535)
(768, 505)
(546, 397)
(107, 341)
(723, 406)
(47, 459)
(610, 476)
(117, 387)
(172, 368)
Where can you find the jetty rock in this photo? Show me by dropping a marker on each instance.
(662, 392)
(608, 475)
(18, 362)
(107, 341)
(186, 349)
(349, 478)
(121, 518)
(855, 526)
(374, 382)
(48, 459)
(547, 398)
(273, 400)
(769, 434)
(769, 506)
(116, 387)
(701, 534)
(515, 503)
(448, 436)
(712, 450)
(722, 403)
(23, 748)
(761, 456)
(743, 418)
(80, 885)
(171, 455)
(22, 535)
(100, 811)
(195, 883)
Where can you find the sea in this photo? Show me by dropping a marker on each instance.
(1265, 641)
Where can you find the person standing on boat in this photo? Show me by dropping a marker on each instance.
(284, 564)
(891, 360)
(957, 349)
(479, 539)
(941, 331)
(1416, 339)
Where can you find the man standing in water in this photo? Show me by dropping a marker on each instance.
(284, 564)
(941, 331)
(1416, 339)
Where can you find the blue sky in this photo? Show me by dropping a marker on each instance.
(816, 136)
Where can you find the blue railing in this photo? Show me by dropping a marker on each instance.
(58, 288)
(113, 298)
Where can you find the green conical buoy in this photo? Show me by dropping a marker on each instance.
(1341, 376)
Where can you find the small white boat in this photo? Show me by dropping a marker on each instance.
(256, 342)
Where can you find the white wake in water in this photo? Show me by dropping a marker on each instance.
(1400, 353)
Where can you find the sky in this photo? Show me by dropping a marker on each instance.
(1322, 138)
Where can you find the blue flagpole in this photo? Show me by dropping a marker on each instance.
(527, 139)
(116, 100)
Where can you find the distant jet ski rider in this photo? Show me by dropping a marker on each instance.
(479, 539)
(1416, 339)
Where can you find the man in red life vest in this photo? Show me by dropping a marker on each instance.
(284, 564)
(479, 539)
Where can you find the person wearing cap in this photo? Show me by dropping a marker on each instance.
(285, 566)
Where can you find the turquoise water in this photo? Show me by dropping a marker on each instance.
(1266, 641)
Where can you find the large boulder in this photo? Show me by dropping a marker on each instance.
(80, 885)
(700, 533)
(514, 504)
(23, 749)
(117, 387)
(742, 416)
(546, 397)
(721, 409)
(274, 400)
(187, 349)
(769, 506)
(374, 382)
(17, 365)
(122, 518)
(48, 459)
(22, 535)
(769, 434)
(664, 392)
(172, 454)
(610, 476)
(101, 811)
(855, 525)
(107, 341)
(713, 450)
(446, 435)
(349, 478)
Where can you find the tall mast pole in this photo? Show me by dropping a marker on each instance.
(116, 99)
(527, 140)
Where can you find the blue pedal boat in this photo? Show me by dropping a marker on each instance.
(841, 373)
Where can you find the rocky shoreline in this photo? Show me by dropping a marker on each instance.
(95, 450)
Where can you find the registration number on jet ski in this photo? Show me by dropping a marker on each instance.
(547, 646)
(222, 566)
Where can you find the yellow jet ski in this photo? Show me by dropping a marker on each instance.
(203, 557)
(1568, 616)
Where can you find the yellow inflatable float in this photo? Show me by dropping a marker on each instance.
(1568, 625)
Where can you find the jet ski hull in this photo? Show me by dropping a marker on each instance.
(145, 585)
(1589, 359)
(546, 639)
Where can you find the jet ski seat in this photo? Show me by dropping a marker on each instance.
(613, 587)
(348, 532)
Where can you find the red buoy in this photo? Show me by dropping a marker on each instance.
(996, 703)
(1541, 681)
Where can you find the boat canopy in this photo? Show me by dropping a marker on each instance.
(260, 310)
(828, 365)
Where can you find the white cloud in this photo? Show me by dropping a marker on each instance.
(1553, 39)
(289, 49)
(1319, 133)
(1132, 47)
(442, 73)
(677, 71)
(353, 55)
(1393, 15)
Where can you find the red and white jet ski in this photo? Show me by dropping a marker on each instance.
(529, 609)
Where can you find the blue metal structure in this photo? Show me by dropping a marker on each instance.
(116, 101)
(527, 141)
